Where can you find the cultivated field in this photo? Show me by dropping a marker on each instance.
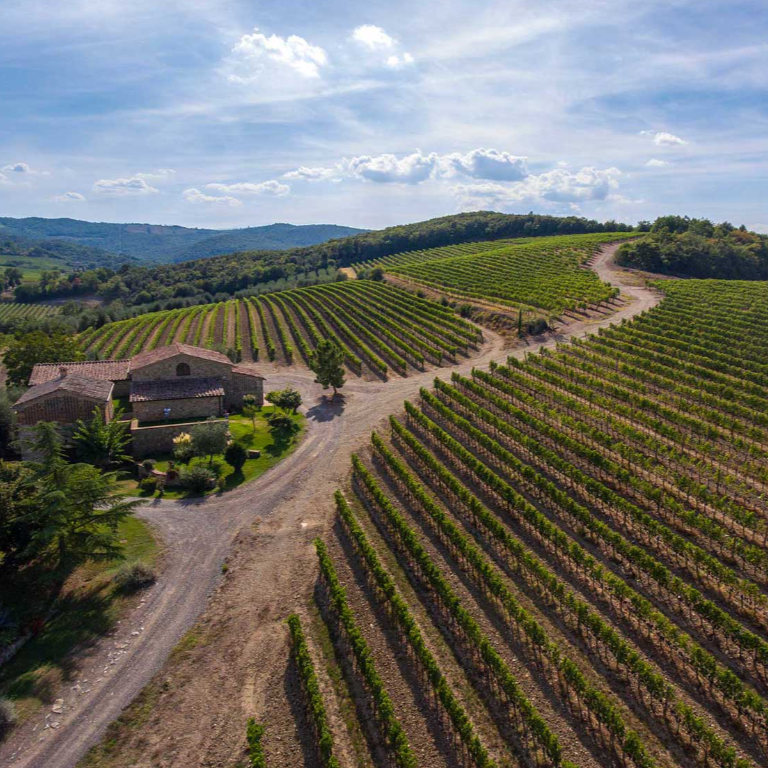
(538, 275)
(561, 561)
(380, 328)
(10, 311)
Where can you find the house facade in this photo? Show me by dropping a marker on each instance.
(170, 383)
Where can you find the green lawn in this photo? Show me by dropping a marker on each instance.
(242, 432)
(87, 608)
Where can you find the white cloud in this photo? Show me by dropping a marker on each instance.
(664, 139)
(314, 174)
(135, 185)
(411, 169)
(373, 37)
(196, 196)
(375, 40)
(398, 62)
(254, 52)
(487, 164)
(654, 163)
(4, 179)
(557, 186)
(271, 188)
(418, 166)
(70, 197)
(17, 168)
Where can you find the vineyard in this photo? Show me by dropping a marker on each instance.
(10, 312)
(562, 561)
(380, 328)
(537, 275)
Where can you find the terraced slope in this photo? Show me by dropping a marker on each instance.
(382, 329)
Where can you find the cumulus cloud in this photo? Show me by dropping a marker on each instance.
(664, 139)
(135, 185)
(417, 167)
(558, 186)
(487, 164)
(373, 37)
(17, 168)
(196, 196)
(4, 179)
(411, 169)
(255, 52)
(69, 197)
(654, 163)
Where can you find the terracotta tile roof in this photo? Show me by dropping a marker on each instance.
(175, 389)
(79, 386)
(246, 370)
(106, 370)
(163, 353)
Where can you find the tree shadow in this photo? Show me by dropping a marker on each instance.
(327, 409)
(78, 621)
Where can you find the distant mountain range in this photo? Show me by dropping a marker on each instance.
(152, 243)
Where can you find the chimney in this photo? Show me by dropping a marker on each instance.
(63, 371)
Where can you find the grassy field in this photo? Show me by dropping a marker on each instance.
(88, 607)
(32, 267)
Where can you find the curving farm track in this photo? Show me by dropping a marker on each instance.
(271, 570)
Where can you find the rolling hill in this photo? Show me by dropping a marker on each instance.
(163, 244)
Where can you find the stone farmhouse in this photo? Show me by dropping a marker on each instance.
(169, 384)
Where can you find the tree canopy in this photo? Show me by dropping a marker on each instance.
(327, 363)
(698, 248)
(35, 347)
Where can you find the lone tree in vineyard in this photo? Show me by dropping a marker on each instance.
(327, 363)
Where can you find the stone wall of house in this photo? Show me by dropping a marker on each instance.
(240, 385)
(185, 408)
(63, 408)
(153, 441)
(166, 369)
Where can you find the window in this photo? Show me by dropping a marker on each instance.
(182, 369)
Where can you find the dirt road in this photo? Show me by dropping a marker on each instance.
(271, 572)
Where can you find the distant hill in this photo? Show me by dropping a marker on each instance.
(65, 255)
(274, 237)
(156, 243)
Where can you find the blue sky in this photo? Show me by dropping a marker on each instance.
(227, 113)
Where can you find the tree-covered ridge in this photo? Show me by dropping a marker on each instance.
(238, 271)
(156, 243)
(698, 248)
(70, 255)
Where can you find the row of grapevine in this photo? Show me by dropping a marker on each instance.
(376, 325)
(540, 275)
(585, 529)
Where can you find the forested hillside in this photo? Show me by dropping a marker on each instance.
(159, 243)
(698, 248)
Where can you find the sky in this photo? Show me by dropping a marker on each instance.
(231, 113)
